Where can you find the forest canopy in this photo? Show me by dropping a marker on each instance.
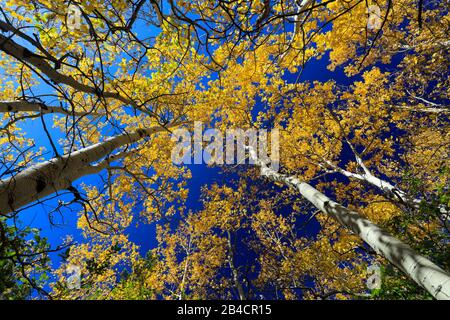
(352, 201)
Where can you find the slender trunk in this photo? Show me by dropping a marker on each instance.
(426, 109)
(385, 187)
(234, 271)
(424, 272)
(300, 7)
(391, 190)
(436, 44)
(25, 106)
(186, 265)
(24, 55)
(46, 178)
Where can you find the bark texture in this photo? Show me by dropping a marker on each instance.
(48, 177)
(424, 272)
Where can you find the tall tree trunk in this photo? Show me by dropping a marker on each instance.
(424, 272)
(384, 186)
(46, 178)
(234, 271)
(40, 64)
(25, 106)
(388, 189)
(300, 6)
(24, 55)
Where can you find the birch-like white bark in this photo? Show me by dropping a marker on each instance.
(443, 44)
(25, 106)
(420, 269)
(425, 110)
(21, 53)
(234, 271)
(48, 177)
(382, 185)
(430, 106)
(186, 265)
(300, 7)
(385, 187)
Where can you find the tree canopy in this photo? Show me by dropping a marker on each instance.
(88, 109)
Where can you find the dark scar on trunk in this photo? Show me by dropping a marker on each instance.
(40, 184)
(141, 133)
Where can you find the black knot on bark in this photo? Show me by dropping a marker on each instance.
(97, 92)
(40, 183)
(141, 133)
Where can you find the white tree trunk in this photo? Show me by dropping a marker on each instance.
(382, 185)
(46, 178)
(424, 272)
(25, 106)
(426, 109)
(300, 7)
(39, 63)
(234, 271)
(385, 187)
